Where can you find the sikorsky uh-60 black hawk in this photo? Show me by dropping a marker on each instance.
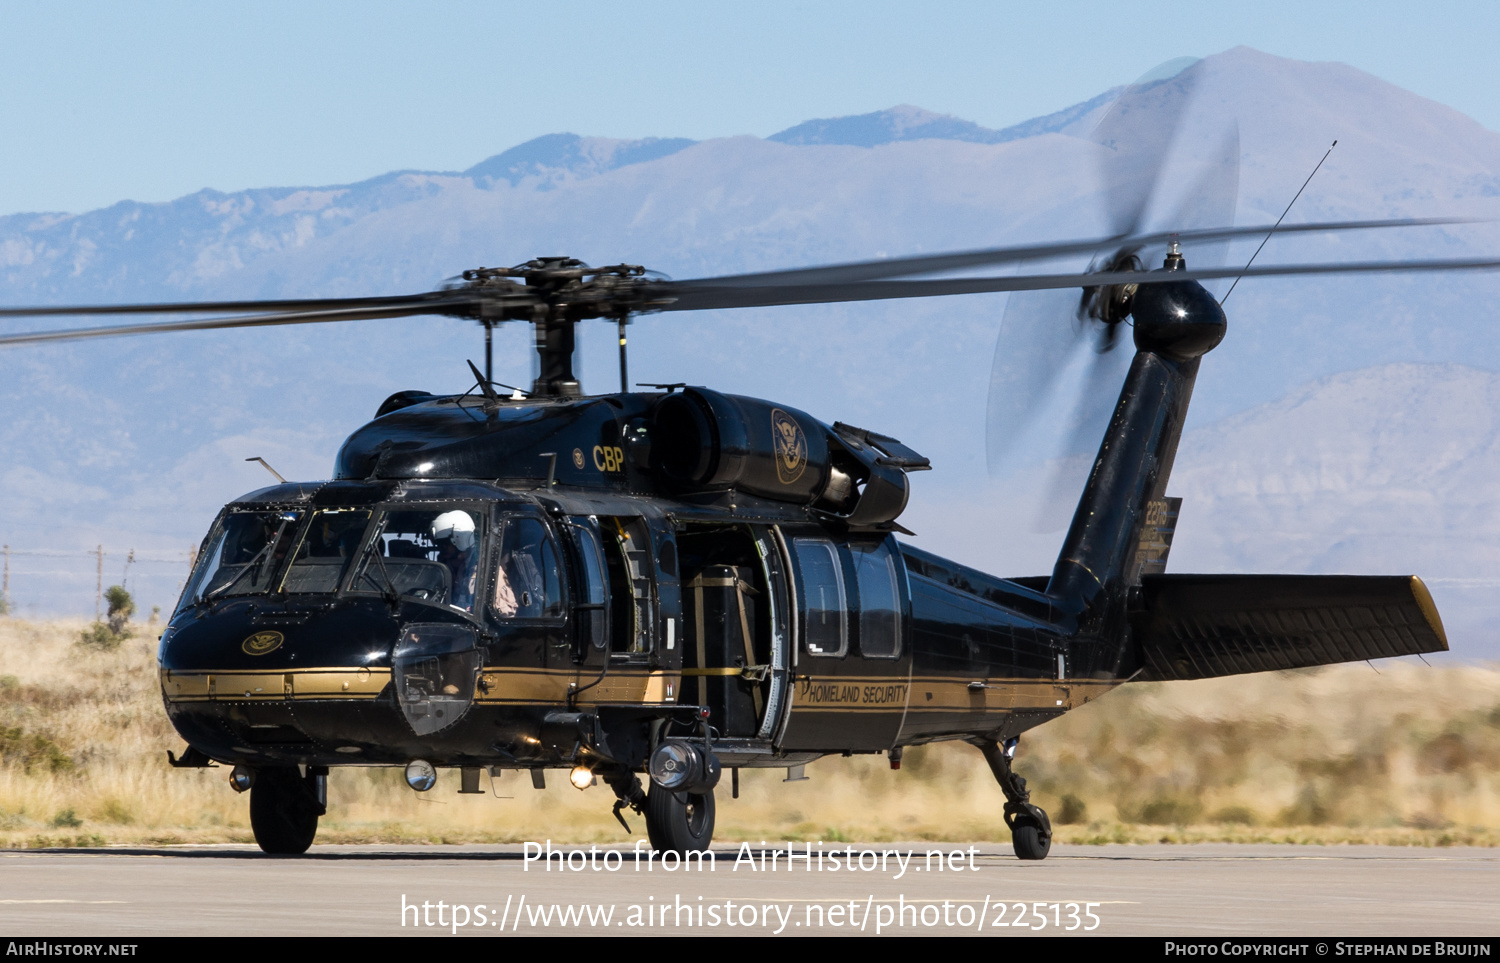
(674, 581)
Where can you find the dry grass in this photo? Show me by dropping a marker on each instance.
(1408, 756)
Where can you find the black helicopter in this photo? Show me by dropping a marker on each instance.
(670, 582)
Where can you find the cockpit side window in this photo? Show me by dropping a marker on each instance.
(431, 555)
(528, 584)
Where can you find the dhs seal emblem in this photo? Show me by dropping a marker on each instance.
(262, 642)
(790, 444)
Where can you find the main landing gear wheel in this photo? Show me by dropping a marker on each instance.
(284, 810)
(1030, 829)
(679, 821)
(1029, 839)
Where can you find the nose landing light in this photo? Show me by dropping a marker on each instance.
(241, 778)
(421, 775)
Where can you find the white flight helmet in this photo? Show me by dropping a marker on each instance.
(456, 526)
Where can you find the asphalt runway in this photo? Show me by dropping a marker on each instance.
(1217, 890)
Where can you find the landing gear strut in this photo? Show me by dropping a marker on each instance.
(629, 795)
(285, 806)
(1030, 829)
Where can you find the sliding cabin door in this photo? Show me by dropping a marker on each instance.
(736, 632)
(853, 661)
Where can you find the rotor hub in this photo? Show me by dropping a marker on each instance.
(554, 294)
(1110, 303)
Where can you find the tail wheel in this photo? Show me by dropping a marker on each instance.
(679, 821)
(284, 811)
(1030, 840)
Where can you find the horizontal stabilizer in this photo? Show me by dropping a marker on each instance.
(1201, 626)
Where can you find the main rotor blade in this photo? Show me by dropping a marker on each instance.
(227, 307)
(963, 260)
(696, 296)
(689, 296)
(241, 321)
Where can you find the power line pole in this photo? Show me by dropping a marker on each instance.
(5, 586)
(192, 559)
(99, 583)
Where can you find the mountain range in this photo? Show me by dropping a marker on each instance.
(1303, 443)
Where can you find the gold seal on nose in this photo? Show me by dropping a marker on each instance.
(262, 642)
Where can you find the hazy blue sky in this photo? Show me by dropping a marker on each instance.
(101, 101)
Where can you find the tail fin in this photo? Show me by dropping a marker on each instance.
(1176, 323)
(1099, 558)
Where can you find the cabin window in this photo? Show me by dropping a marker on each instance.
(879, 600)
(825, 627)
(528, 584)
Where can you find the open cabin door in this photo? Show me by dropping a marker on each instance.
(590, 593)
(619, 652)
(736, 627)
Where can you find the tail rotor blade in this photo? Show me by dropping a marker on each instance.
(1089, 403)
(1137, 134)
(1074, 370)
(1212, 199)
(1031, 350)
(1036, 341)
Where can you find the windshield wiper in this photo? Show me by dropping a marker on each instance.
(254, 560)
(392, 596)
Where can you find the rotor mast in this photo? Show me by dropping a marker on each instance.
(554, 294)
(555, 342)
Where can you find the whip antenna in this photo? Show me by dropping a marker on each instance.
(1278, 222)
(264, 464)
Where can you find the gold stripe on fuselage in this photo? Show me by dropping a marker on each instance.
(263, 686)
(970, 694)
(497, 685)
(639, 685)
(945, 694)
(621, 684)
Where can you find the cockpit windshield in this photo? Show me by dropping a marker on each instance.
(244, 555)
(428, 554)
(327, 547)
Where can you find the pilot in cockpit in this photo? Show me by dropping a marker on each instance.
(453, 533)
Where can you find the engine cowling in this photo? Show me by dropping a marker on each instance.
(702, 440)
